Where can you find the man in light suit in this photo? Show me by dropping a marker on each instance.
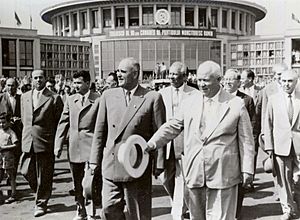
(218, 146)
(124, 111)
(40, 113)
(282, 139)
(172, 176)
(78, 120)
(10, 102)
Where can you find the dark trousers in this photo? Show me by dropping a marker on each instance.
(135, 194)
(44, 176)
(77, 170)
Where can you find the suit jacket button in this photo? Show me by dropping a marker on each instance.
(113, 126)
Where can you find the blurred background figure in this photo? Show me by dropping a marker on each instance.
(111, 81)
(50, 84)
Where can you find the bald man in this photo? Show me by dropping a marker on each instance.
(282, 139)
(218, 146)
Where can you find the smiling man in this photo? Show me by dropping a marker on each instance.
(282, 139)
(218, 146)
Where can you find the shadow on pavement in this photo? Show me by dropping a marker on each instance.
(60, 207)
(160, 211)
(158, 191)
(260, 210)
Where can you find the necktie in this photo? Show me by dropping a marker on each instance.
(82, 101)
(36, 99)
(13, 103)
(290, 109)
(128, 98)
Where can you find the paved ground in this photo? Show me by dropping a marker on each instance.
(258, 205)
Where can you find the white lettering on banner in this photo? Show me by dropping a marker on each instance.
(163, 32)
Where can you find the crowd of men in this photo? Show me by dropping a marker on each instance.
(203, 142)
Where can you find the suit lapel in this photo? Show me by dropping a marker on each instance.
(8, 102)
(135, 104)
(45, 96)
(223, 108)
(296, 108)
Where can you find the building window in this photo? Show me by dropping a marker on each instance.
(75, 21)
(189, 16)
(26, 53)
(106, 18)
(120, 17)
(8, 52)
(241, 22)
(67, 21)
(214, 17)
(175, 15)
(148, 16)
(94, 18)
(84, 19)
(202, 17)
(233, 20)
(133, 16)
(224, 19)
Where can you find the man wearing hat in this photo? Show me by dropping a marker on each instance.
(124, 111)
(282, 139)
(78, 122)
(218, 148)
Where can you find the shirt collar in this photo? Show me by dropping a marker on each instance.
(41, 91)
(234, 93)
(86, 95)
(9, 95)
(180, 89)
(214, 98)
(132, 91)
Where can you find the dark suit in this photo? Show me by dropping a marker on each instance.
(38, 139)
(16, 125)
(80, 122)
(249, 104)
(115, 123)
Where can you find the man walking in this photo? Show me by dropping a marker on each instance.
(172, 176)
(124, 111)
(218, 146)
(40, 110)
(78, 121)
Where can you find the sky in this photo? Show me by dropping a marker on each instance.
(278, 15)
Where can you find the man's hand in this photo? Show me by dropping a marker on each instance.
(57, 153)
(150, 147)
(247, 179)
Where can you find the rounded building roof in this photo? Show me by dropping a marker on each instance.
(49, 12)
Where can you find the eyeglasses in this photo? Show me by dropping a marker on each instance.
(121, 71)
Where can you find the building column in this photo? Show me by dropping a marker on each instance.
(58, 25)
(245, 22)
(78, 23)
(113, 25)
(183, 15)
(238, 31)
(154, 11)
(208, 16)
(71, 26)
(229, 17)
(196, 16)
(141, 61)
(126, 14)
(18, 57)
(219, 29)
(100, 20)
(170, 11)
(88, 21)
(62, 17)
(1, 66)
(140, 15)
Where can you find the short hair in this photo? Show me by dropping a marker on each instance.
(182, 67)
(279, 68)
(235, 72)
(15, 81)
(39, 70)
(135, 64)
(292, 72)
(212, 67)
(4, 115)
(84, 74)
(51, 80)
(250, 73)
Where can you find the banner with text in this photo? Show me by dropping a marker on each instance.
(203, 33)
